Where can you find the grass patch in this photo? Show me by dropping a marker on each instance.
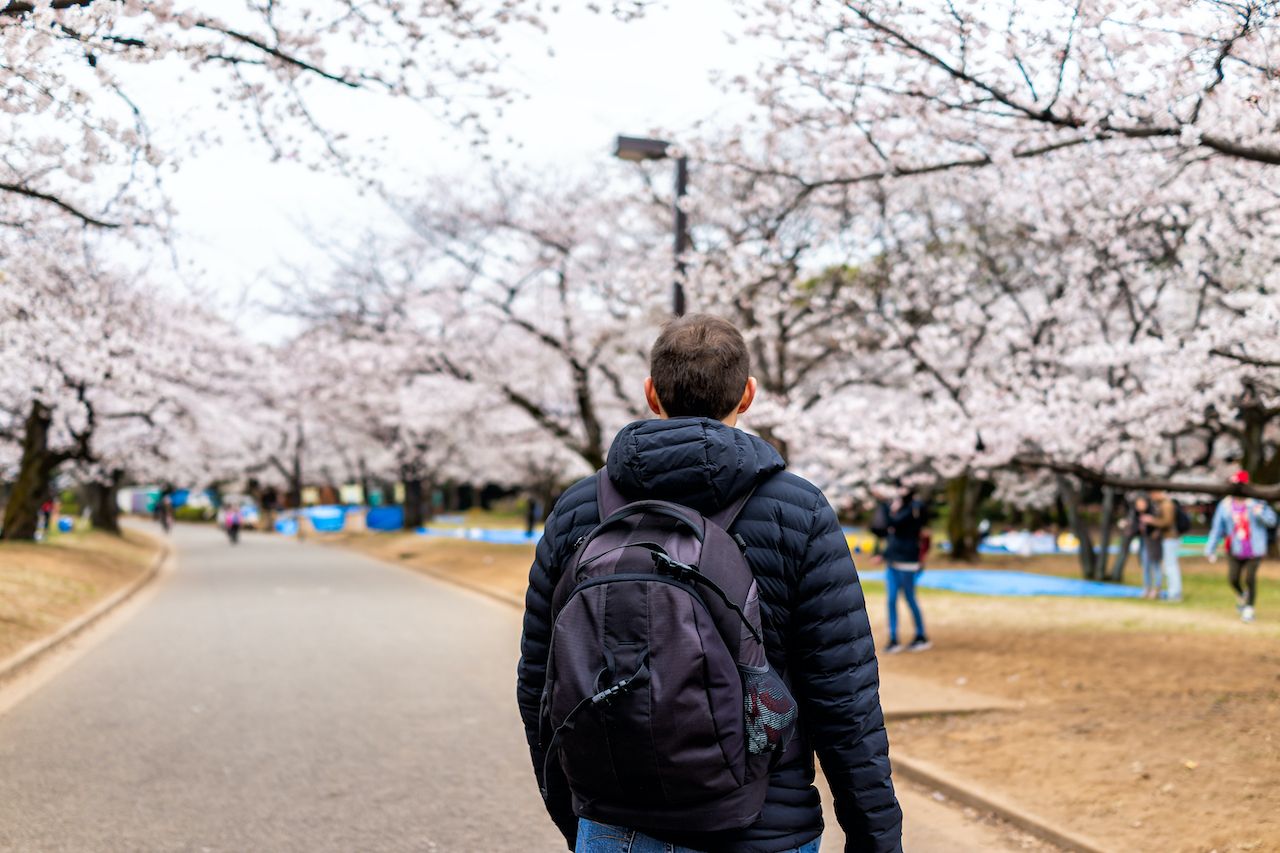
(495, 519)
(45, 585)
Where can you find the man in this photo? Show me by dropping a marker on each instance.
(1163, 521)
(905, 528)
(816, 628)
(1243, 523)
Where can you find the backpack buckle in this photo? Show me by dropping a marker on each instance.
(667, 566)
(608, 695)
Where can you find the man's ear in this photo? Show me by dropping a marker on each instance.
(748, 396)
(651, 397)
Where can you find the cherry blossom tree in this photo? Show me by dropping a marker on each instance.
(80, 142)
(104, 376)
(542, 301)
(1004, 246)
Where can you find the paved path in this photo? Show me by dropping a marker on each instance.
(282, 697)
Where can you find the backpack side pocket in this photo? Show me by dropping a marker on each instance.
(769, 710)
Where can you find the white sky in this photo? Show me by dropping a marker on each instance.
(243, 221)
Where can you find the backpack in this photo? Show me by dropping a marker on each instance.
(1181, 519)
(659, 703)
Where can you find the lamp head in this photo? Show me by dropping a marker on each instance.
(637, 149)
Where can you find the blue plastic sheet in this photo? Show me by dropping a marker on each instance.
(992, 582)
(498, 536)
(327, 519)
(287, 525)
(385, 518)
(975, 581)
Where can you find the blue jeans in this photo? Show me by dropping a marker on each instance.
(1150, 566)
(1172, 571)
(601, 838)
(897, 579)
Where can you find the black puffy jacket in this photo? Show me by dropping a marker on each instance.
(903, 531)
(816, 629)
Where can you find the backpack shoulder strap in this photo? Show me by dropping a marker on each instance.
(608, 498)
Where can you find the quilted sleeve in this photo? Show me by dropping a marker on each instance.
(532, 670)
(836, 676)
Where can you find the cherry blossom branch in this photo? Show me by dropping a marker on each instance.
(1046, 115)
(1252, 361)
(88, 219)
(1101, 478)
(26, 7)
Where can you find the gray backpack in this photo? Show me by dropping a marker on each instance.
(659, 704)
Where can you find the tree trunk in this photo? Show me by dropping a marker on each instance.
(1108, 522)
(295, 475)
(963, 494)
(366, 483)
(414, 507)
(1071, 500)
(35, 472)
(104, 509)
(1116, 574)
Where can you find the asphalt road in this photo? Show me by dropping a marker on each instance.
(280, 697)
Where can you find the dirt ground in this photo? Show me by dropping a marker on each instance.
(502, 570)
(1147, 726)
(45, 585)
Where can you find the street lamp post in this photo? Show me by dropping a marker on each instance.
(638, 149)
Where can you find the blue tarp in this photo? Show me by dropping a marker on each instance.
(498, 536)
(327, 519)
(324, 519)
(975, 581)
(991, 582)
(385, 518)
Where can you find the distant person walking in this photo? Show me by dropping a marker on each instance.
(1243, 523)
(905, 519)
(532, 515)
(44, 519)
(164, 512)
(232, 520)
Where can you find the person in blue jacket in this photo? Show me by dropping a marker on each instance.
(901, 522)
(1244, 523)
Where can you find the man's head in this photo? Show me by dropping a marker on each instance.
(699, 368)
(1158, 494)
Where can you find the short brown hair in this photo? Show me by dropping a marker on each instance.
(699, 365)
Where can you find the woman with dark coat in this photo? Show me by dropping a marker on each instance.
(904, 520)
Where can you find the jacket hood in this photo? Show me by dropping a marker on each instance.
(700, 463)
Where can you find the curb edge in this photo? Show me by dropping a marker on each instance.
(964, 792)
(445, 577)
(38, 648)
